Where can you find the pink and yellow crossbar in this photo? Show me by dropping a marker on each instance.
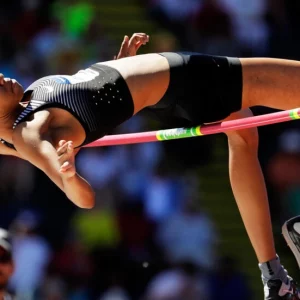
(179, 133)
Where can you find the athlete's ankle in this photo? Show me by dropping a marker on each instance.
(272, 270)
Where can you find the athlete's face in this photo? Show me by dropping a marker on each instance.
(11, 92)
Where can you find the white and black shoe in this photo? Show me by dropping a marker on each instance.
(278, 290)
(291, 233)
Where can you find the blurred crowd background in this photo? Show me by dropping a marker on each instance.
(165, 225)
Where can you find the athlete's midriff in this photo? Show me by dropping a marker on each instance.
(88, 105)
(147, 77)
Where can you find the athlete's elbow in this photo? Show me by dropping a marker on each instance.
(79, 192)
(86, 205)
(87, 201)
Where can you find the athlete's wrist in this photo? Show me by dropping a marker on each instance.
(68, 177)
(79, 191)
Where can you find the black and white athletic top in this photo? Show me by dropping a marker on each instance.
(98, 97)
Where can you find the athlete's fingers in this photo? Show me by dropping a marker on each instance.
(66, 165)
(65, 158)
(138, 38)
(61, 143)
(63, 149)
(67, 170)
(133, 42)
(138, 45)
(61, 146)
(136, 41)
(141, 35)
(130, 46)
(124, 48)
(70, 147)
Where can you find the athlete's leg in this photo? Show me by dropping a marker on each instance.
(271, 82)
(207, 89)
(249, 188)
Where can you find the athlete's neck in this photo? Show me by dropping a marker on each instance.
(7, 122)
(26, 98)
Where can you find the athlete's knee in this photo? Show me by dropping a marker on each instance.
(243, 138)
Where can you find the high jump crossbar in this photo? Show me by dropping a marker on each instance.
(179, 133)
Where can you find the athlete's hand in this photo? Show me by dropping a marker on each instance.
(66, 158)
(130, 46)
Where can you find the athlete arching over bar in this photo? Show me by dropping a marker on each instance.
(60, 113)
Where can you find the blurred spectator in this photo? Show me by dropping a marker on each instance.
(163, 41)
(136, 231)
(17, 180)
(189, 235)
(285, 28)
(283, 173)
(74, 16)
(27, 67)
(249, 25)
(213, 30)
(138, 164)
(162, 195)
(212, 20)
(31, 254)
(53, 288)
(96, 45)
(228, 282)
(67, 60)
(46, 42)
(19, 183)
(180, 282)
(6, 264)
(73, 264)
(29, 22)
(115, 293)
(175, 16)
(97, 228)
(100, 166)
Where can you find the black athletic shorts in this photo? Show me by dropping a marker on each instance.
(202, 89)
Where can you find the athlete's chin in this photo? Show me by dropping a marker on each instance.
(18, 90)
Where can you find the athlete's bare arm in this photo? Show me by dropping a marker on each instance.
(34, 143)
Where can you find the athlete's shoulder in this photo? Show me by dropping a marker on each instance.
(47, 80)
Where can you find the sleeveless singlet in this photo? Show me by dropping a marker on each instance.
(98, 97)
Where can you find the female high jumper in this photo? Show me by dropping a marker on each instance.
(56, 115)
